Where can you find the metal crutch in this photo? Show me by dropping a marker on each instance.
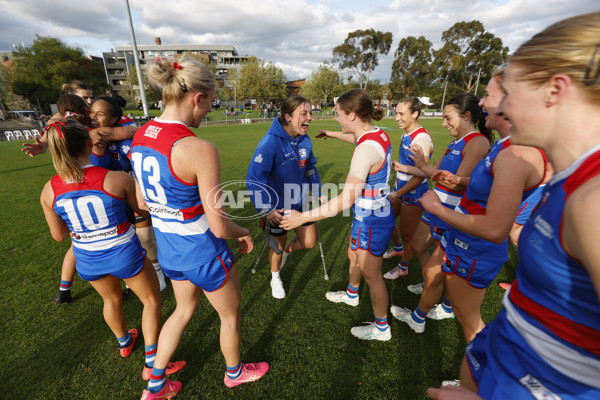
(268, 241)
(325, 276)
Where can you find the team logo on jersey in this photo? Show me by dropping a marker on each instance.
(537, 389)
(258, 159)
(302, 153)
(152, 131)
(125, 149)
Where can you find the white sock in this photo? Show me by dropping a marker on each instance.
(275, 275)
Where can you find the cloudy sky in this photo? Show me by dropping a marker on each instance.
(297, 35)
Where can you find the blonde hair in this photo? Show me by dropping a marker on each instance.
(570, 46)
(67, 140)
(176, 79)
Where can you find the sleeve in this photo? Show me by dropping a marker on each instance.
(259, 169)
(364, 157)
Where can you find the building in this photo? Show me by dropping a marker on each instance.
(119, 62)
(295, 87)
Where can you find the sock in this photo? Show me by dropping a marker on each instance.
(403, 265)
(156, 265)
(398, 247)
(151, 354)
(418, 315)
(234, 372)
(65, 285)
(125, 340)
(352, 291)
(157, 380)
(447, 305)
(381, 324)
(275, 275)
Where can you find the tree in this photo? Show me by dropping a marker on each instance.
(360, 53)
(153, 94)
(260, 80)
(412, 70)
(9, 100)
(466, 49)
(324, 85)
(41, 69)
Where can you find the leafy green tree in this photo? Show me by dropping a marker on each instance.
(324, 85)
(412, 70)
(42, 68)
(466, 49)
(261, 81)
(153, 94)
(360, 53)
(8, 99)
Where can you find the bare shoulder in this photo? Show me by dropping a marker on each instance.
(523, 152)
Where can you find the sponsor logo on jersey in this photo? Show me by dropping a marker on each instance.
(165, 212)
(488, 162)
(543, 227)
(358, 218)
(537, 389)
(152, 131)
(125, 148)
(258, 159)
(302, 163)
(456, 152)
(353, 241)
(461, 244)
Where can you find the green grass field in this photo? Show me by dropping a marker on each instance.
(52, 351)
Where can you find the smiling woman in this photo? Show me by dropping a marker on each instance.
(284, 162)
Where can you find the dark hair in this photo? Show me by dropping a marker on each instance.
(115, 109)
(289, 105)
(75, 85)
(359, 102)
(468, 102)
(70, 103)
(414, 104)
(119, 100)
(67, 140)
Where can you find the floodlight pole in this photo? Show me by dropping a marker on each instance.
(137, 64)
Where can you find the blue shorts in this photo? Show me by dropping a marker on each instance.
(479, 273)
(411, 198)
(210, 276)
(437, 227)
(504, 366)
(126, 272)
(373, 239)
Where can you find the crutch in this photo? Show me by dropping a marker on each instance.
(325, 276)
(270, 241)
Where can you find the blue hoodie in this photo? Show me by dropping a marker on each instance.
(280, 159)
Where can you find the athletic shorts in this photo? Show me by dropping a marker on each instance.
(126, 272)
(479, 273)
(411, 198)
(437, 227)
(373, 239)
(276, 230)
(209, 276)
(504, 366)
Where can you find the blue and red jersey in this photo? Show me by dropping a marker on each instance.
(103, 240)
(183, 236)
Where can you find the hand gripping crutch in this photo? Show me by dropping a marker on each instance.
(270, 241)
(325, 276)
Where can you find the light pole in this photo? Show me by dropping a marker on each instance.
(137, 64)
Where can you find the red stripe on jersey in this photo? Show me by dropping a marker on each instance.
(472, 207)
(586, 171)
(468, 138)
(122, 228)
(189, 213)
(505, 144)
(566, 329)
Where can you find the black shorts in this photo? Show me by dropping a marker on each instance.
(276, 230)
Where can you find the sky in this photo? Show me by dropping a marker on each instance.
(295, 35)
